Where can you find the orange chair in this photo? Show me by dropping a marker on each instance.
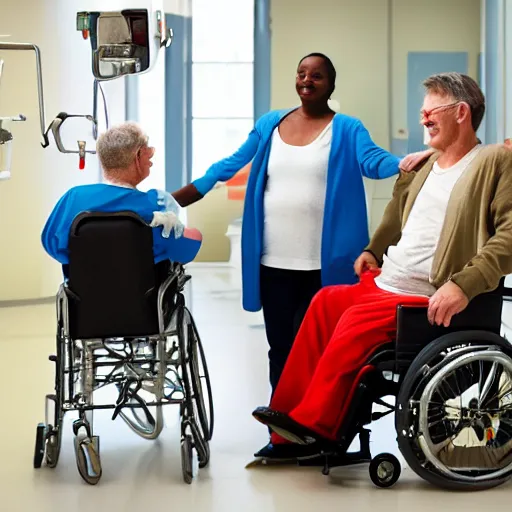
(237, 184)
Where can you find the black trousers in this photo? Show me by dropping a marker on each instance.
(285, 298)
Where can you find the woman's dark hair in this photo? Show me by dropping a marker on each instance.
(331, 70)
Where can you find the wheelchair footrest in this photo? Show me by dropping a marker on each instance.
(333, 459)
(337, 460)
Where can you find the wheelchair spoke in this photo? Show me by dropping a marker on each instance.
(447, 383)
(436, 411)
(487, 385)
(441, 391)
(507, 421)
(432, 424)
(458, 391)
(500, 395)
(437, 447)
(505, 432)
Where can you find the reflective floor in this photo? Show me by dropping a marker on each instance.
(139, 475)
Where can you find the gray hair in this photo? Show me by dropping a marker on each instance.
(461, 88)
(117, 146)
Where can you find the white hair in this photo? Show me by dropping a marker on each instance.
(117, 146)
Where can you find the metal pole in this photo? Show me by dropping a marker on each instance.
(28, 46)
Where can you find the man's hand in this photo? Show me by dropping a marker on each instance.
(364, 262)
(449, 300)
(410, 162)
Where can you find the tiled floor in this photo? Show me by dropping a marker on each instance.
(141, 475)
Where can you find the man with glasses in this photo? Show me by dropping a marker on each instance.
(125, 157)
(445, 237)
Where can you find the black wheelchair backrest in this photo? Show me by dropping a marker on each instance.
(113, 283)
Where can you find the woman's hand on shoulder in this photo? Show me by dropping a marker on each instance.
(413, 160)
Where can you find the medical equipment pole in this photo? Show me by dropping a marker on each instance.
(28, 46)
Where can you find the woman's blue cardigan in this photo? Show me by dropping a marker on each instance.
(353, 155)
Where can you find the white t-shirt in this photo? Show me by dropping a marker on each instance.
(294, 202)
(407, 266)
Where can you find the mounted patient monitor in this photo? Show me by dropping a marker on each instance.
(123, 42)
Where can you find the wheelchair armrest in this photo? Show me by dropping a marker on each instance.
(414, 331)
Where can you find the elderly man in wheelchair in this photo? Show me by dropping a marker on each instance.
(122, 321)
(424, 327)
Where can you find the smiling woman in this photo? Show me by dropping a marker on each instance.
(308, 89)
(305, 218)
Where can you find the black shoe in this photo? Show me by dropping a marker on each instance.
(289, 429)
(288, 451)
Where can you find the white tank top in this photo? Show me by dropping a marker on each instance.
(294, 202)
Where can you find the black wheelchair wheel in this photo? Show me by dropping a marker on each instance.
(193, 408)
(385, 470)
(431, 360)
(40, 445)
(200, 379)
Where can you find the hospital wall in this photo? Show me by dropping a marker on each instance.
(368, 41)
(369, 57)
(40, 176)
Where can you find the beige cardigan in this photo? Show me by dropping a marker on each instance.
(475, 245)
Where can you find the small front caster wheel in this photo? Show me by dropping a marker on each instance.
(53, 441)
(87, 453)
(187, 459)
(385, 470)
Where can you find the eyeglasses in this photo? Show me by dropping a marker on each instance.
(425, 114)
(145, 146)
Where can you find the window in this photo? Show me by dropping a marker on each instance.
(222, 79)
(222, 90)
(214, 139)
(223, 31)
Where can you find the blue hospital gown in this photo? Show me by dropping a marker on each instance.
(107, 198)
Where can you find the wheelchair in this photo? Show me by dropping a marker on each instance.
(123, 328)
(453, 401)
